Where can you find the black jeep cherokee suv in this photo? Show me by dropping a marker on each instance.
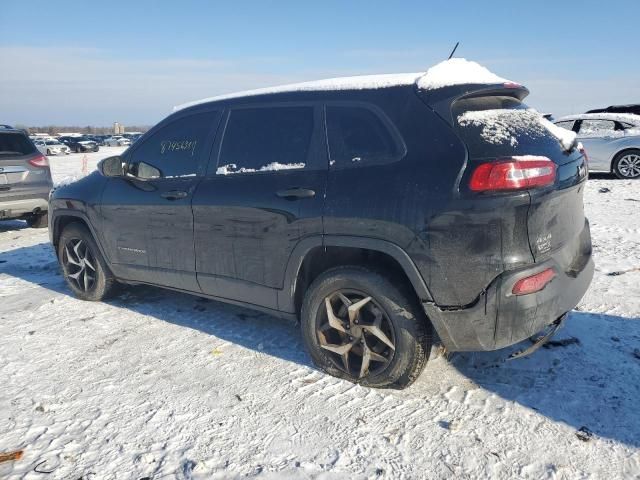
(383, 215)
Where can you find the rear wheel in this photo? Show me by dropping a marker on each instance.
(48, 152)
(83, 267)
(627, 164)
(38, 221)
(358, 326)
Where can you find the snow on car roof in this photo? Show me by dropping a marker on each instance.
(456, 71)
(360, 82)
(620, 117)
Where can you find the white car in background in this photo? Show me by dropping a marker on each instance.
(117, 141)
(611, 140)
(51, 147)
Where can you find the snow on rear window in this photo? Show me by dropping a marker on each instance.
(457, 71)
(508, 126)
(232, 168)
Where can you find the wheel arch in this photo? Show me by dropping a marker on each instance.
(61, 219)
(314, 255)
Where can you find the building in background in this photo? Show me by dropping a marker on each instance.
(118, 129)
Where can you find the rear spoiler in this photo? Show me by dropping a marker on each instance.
(442, 99)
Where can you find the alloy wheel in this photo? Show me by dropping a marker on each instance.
(79, 264)
(629, 165)
(357, 332)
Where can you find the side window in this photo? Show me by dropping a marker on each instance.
(266, 139)
(596, 128)
(176, 150)
(357, 136)
(567, 125)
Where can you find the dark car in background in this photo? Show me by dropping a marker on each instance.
(25, 179)
(631, 108)
(80, 144)
(384, 215)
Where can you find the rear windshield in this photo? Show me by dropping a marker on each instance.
(15, 144)
(499, 126)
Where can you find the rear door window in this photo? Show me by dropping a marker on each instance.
(176, 149)
(359, 136)
(266, 139)
(15, 144)
(596, 128)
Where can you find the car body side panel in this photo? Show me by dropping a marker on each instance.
(602, 150)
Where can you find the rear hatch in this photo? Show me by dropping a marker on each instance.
(497, 126)
(23, 169)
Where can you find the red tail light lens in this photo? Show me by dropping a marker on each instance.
(534, 283)
(513, 173)
(39, 161)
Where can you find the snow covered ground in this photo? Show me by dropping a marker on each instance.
(158, 384)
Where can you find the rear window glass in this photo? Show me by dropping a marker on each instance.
(503, 126)
(15, 144)
(565, 125)
(358, 136)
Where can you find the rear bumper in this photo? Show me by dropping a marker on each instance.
(18, 208)
(499, 318)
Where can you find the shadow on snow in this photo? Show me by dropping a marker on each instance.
(591, 382)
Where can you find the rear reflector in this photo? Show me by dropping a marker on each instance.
(513, 173)
(39, 161)
(534, 283)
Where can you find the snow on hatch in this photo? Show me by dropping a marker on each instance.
(457, 71)
(504, 126)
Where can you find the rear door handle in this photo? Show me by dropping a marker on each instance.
(294, 193)
(174, 194)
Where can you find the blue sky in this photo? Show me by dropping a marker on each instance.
(92, 63)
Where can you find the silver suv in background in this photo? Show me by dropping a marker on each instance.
(25, 179)
(611, 140)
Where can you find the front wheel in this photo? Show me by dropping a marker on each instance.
(358, 326)
(627, 164)
(83, 267)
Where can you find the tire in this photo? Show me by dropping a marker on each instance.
(38, 221)
(70, 255)
(403, 323)
(48, 152)
(78, 150)
(626, 165)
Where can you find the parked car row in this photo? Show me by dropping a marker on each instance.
(81, 143)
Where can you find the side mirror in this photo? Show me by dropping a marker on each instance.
(111, 167)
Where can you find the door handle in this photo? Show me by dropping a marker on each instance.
(294, 193)
(174, 194)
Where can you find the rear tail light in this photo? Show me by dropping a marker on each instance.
(583, 152)
(39, 161)
(534, 283)
(513, 173)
